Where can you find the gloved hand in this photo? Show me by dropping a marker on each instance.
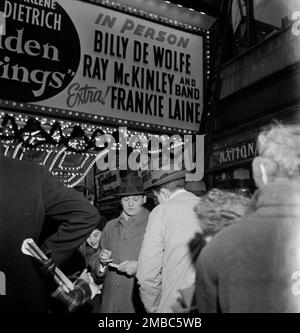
(45, 267)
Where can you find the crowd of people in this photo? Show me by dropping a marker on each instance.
(221, 252)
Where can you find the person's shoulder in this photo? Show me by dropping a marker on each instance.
(224, 241)
(182, 198)
(111, 223)
(160, 208)
(188, 196)
(158, 215)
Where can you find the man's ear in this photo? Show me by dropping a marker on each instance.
(164, 192)
(144, 199)
(259, 172)
(264, 170)
(264, 176)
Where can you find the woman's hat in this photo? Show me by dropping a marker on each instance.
(131, 185)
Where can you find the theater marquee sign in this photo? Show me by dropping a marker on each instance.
(81, 57)
(232, 154)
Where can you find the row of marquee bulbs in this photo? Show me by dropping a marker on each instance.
(67, 127)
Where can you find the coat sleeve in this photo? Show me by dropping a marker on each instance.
(206, 285)
(75, 298)
(75, 215)
(151, 260)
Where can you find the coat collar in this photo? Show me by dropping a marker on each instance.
(176, 193)
(279, 195)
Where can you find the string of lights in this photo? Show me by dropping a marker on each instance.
(149, 15)
(67, 148)
(33, 132)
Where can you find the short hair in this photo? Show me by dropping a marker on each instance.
(279, 146)
(219, 209)
(171, 186)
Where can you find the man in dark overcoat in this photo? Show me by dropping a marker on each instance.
(31, 198)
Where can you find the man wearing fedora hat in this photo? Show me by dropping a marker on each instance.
(165, 263)
(120, 243)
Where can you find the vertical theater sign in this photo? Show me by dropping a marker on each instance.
(72, 71)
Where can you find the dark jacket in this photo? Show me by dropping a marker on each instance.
(30, 199)
(254, 266)
(124, 239)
